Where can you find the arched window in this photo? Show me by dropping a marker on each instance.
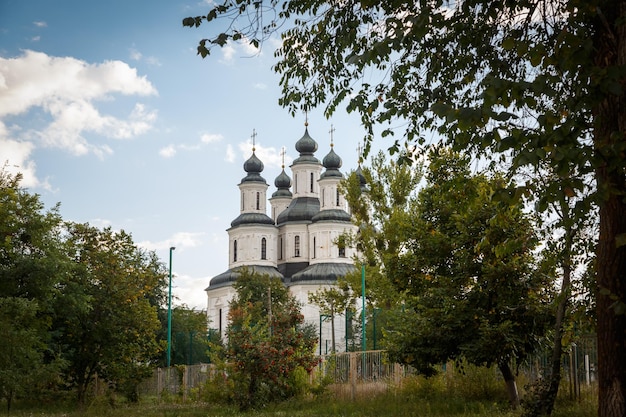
(258, 201)
(235, 251)
(314, 247)
(311, 182)
(337, 197)
(296, 245)
(280, 248)
(263, 248)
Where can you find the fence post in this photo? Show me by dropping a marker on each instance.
(353, 373)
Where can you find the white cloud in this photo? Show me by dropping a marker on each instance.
(15, 158)
(180, 240)
(206, 138)
(66, 90)
(35, 38)
(269, 156)
(40, 24)
(239, 48)
(135, 55)
(230, 154)
(211, 137)
(168, 152)
(190, 291)
(260, 86)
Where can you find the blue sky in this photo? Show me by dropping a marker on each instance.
(106, 108)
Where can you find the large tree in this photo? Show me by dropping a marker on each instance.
(32, 268)
(115, 334)
(531, 80)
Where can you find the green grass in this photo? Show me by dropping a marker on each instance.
(384, 405)
(477, 393)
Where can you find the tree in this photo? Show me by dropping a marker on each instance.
(114, 335)
(469, 275)
(531, 81)
(32, 266)
(268, 345)
(190, 335)
(332, 301)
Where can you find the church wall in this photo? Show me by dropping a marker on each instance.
(218, 301)
(289, 234)
(253, 197)
(249, 242)
(325, 235)
(311, 315)
(305, 179)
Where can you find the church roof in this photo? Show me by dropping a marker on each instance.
(227, 278)
(323, 273)
(300, 209)
(252, 218)
(332, 215)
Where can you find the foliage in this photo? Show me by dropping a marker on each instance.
(32, 265)
(528, 82)
(468, 274)
(268, 343)
(332, 301)
(189, 336)
(115, 334)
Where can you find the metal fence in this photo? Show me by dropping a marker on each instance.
(354, 373)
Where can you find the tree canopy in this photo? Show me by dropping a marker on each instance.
(269, 347)
(527, 82)
(76, 301)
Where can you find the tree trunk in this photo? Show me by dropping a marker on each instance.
(609, 145)
(551, 389)
(509, 381)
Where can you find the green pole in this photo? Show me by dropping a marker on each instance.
(320, 335)
(363, 341)
(169, 314)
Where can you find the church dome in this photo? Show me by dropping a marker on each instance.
(332, 162)
(253, 166)
(282, 183)
(362, 180)
(306, 145)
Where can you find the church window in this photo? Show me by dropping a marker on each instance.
(337, 197)
(263, 248)
(295, 183)
(314, 247)
(311, 182)
(220, 321)
(235, 251)
(280, 248)
(243, 200)
(258, 201)
(342, 248)
(296, 245)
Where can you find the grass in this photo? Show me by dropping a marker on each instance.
(386, 405)
(478, 393)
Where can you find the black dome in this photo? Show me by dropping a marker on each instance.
(253, 166)
(332, 162)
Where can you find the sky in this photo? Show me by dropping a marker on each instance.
(106, 108)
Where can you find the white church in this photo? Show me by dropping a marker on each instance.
(297, 242)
